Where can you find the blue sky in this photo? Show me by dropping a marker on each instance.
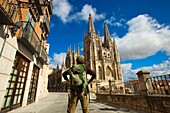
(141, 29)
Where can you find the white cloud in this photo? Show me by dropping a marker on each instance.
(84, 14)
(110, 21)
(82, 49)
(57, 60)
(64, 10)
(157, 69)
(145, 38)
(114, 22)
(128, 73)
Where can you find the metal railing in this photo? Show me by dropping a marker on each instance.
(160, 84)
(39, 5)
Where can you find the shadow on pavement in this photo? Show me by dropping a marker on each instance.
(104, 106)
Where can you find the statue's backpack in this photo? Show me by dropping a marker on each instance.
(78, 78)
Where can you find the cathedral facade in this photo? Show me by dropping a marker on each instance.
(103, 57)
(71, 57)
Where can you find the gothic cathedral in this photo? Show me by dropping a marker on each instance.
(103, 58)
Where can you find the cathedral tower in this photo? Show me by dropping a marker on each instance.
(71, 57)
(103, 58)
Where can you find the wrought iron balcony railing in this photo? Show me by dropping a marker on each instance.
(39, 4)
(30, 38)
(46, 24)
(8, 12)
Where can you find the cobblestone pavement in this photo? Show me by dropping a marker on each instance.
(57, 103)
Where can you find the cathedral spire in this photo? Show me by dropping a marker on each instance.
(106, 35)
(98, 33)
(57, 66)
(63, 63)
(78, 50)
(74, 48)
(68, 50)
(91, 28)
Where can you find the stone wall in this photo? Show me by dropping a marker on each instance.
(143, 101)
(147, 103)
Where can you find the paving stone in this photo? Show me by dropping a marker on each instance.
(57, 103)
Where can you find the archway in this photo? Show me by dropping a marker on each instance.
(109, 73)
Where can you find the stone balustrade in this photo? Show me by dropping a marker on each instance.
(144, 101)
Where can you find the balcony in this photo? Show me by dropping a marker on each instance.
(39, 5)
(46, 24)
(42, 55)
(30, 38)
(50, 7)
(8, 12)
(35, 13)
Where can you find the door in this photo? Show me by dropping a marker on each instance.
(33, 85)
(16, 84)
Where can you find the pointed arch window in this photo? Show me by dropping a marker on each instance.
(99, 55)
(109, 73)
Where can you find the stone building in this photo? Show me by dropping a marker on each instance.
(71, 57)
(103, 58)
(132, 87)
(24, 27)
(56, 82)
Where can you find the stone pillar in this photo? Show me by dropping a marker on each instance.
(111, 86)
(39, 85)
(144, 82)
(97, 87)
(44, 81)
